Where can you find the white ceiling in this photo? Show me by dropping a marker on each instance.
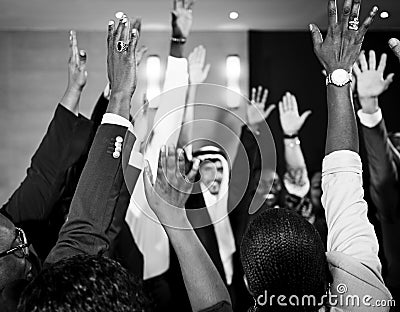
(208, 14)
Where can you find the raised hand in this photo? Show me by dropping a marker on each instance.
(370, 81)
(77, 74)
(121, 58)
(342, 45)
(290, 119)
(198, 71)
(168, 195)
(182, 18)
(394, 44)
(255, 112)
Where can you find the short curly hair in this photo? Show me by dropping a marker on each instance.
(282, 254)
(84, 283)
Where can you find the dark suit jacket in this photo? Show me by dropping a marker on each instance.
(384, 165)
(93, 205)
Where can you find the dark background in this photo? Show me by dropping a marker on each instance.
(285, 61)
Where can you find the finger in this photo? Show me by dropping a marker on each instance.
(363, 61)
(265, 96)
(382, 63)
(134, 35)
(316, 36)
(367, 23)
(355, 12)
(191, 176)
(179, 4)
(120, 27)
(332, 13)
(346, 14)
(202, 56)
(190, 4)
(372, 60)
(180, 163)
(388, 80)
(82, 59)
(162, 163)
(356, 70)
(259, 92)
(74, 46)
(269, 110)
(285, 103)
(171, 162)
(125, 35)
(280, 106)
(289, 101)
(71, 50)
(175, 5)
(148, 176)
(253, 94)
(294, 103)
(394, 44)
(140, 54)
(110, 37)
(304, 116)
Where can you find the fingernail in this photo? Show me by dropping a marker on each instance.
(375, 9)
(119, 15)
(311, 27)
(110, 22)
(393, 42)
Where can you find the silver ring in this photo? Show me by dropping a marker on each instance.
(353, 24)
(121, 46)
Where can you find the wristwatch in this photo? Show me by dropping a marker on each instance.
(339, 77)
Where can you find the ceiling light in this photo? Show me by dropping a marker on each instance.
(233, 15)
(384, 14)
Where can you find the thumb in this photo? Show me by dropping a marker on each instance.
(304, 116)
(269, 110)
(206, 71)
(388, 80)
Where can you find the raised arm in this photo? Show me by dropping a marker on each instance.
(198, 73)
(381, 158)
(296, 177)
(93, 205)
(64, 143)
(349, 230)
(167, 198)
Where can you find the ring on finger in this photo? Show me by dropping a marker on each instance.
(121, 46)
(353, 24)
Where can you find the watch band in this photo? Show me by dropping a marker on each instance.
(178, 40)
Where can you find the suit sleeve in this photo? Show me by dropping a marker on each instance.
(240, 192)
(93, 206)
(383, 171)
(57, 152)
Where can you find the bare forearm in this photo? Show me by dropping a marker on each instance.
(186, 134)
(342, 128)
(203, 282)
(293, 154)
(119, 104)
(70, 99)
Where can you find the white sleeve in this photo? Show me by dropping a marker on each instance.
(114, 119)
(370, 120)
(349, 230)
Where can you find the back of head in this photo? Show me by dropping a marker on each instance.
(283, 255)
(83, 283)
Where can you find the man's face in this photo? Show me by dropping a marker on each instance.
(269, 187)
(12, 266)
(211, 175)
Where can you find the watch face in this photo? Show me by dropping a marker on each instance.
(340, 77)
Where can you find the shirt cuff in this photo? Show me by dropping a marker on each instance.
(341, 161)
(114, 119)
(370, 120)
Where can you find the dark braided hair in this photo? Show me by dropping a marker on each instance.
(84, 283)
(282, 254)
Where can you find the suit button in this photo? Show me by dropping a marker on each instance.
(119, 139)
(118, 149)
(116, 154)
(117, 144)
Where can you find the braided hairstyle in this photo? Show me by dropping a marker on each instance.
(282, 254)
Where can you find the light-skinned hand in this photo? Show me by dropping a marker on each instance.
(289, 116)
